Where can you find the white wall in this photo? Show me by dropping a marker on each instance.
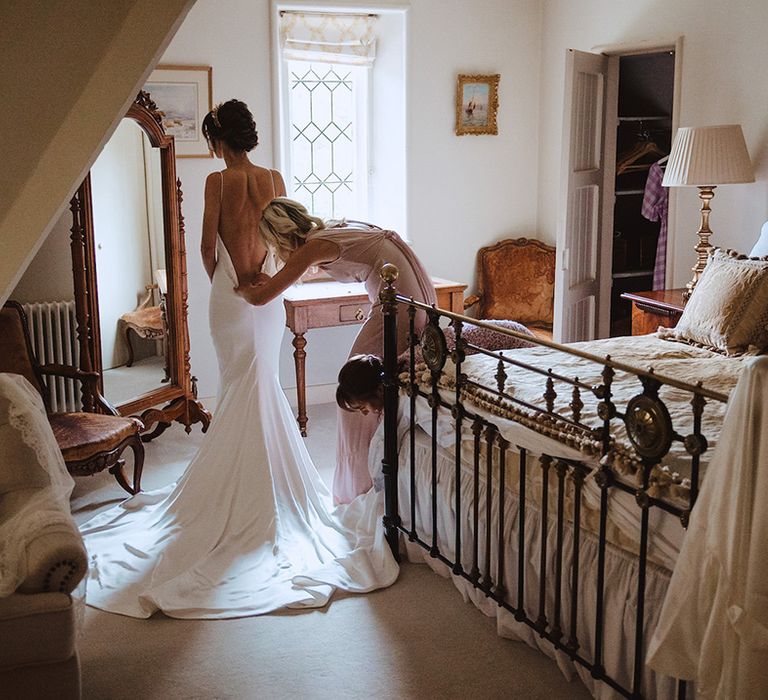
(462, 192)
(723, 60)
(49, 276)
(387, 196)
(467, 191)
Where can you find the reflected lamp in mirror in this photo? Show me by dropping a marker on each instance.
(705, 157)
(161, 277)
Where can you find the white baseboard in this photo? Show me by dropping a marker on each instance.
(316, 394)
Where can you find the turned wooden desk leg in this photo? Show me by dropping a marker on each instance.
(299, 357)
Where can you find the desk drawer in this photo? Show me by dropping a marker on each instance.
(349, 313)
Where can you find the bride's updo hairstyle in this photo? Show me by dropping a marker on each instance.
(232, 123)
(285, 224)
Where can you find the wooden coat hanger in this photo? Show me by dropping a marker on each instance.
(627, 161)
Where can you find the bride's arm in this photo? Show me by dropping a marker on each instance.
(311, 253)
(211, 222)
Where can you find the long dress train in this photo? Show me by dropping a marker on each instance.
(249, 527)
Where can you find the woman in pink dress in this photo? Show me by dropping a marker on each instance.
(348, 252)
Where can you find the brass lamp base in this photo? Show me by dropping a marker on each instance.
(702, 248)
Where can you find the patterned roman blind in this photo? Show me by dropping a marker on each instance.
(328, 37)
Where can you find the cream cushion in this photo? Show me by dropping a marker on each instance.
(761, 245)
(728, 309)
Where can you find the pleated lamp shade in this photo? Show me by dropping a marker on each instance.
(708, 155)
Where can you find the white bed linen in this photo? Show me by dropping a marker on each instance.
(715, 618)
(665, 532)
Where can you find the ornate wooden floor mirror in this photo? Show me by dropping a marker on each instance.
(130, 275)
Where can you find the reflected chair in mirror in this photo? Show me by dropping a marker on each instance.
(516, 282)
(147, 321)
(90, 440)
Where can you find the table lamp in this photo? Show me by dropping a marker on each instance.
(704, 157)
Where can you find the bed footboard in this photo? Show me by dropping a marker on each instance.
(568, 466)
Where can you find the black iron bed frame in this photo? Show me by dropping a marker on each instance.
(648, 426)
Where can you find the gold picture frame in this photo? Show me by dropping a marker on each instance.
(477, 102)
(183, 95)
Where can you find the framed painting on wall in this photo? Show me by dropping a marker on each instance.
(477, 101)
(183, 95)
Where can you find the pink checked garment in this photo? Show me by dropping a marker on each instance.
(655, 206)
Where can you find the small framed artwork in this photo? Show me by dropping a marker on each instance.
(477, 101)
(183, 95)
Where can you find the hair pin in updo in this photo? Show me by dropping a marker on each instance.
(215, 116)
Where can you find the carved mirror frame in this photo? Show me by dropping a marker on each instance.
(180, 393)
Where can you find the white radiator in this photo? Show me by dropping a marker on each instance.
(53, 331)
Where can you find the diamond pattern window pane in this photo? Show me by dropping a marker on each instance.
(322, 111)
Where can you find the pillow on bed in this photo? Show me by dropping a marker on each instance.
(728, 309)
(483, 338)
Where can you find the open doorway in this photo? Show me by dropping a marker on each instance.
(643, 141)
(619, 117)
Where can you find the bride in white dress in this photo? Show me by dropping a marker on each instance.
(249, 527)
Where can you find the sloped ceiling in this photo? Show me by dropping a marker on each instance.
(70, 71)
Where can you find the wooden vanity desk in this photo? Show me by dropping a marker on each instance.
(653, 309)
(325, 304)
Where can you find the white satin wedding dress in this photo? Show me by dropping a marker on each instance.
(249, 527)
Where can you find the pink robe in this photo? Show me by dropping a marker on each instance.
(363, 250)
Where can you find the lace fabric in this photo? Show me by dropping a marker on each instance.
(45, 508)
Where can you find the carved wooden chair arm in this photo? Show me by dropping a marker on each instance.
(471, 300)
(69, 372)
(90, 381)
(148, 299)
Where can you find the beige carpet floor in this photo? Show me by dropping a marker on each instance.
(416, 639)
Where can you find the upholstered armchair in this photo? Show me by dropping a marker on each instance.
(516, 281)
(90, 441)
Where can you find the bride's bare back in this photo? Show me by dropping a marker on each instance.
(234, 201)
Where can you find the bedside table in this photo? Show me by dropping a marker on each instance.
(653, 309)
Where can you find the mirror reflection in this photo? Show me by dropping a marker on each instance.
(126, 182)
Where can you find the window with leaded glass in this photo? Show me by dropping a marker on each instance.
(327, 110)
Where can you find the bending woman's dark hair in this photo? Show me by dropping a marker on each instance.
(232, 123)
(360, 379)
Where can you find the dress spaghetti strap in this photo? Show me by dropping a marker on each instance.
(274, 187)
(221, 191)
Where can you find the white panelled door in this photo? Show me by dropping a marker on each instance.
(577, 278)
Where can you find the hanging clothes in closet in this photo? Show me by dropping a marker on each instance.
(655, 207)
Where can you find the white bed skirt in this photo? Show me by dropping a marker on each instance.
(620, 572)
